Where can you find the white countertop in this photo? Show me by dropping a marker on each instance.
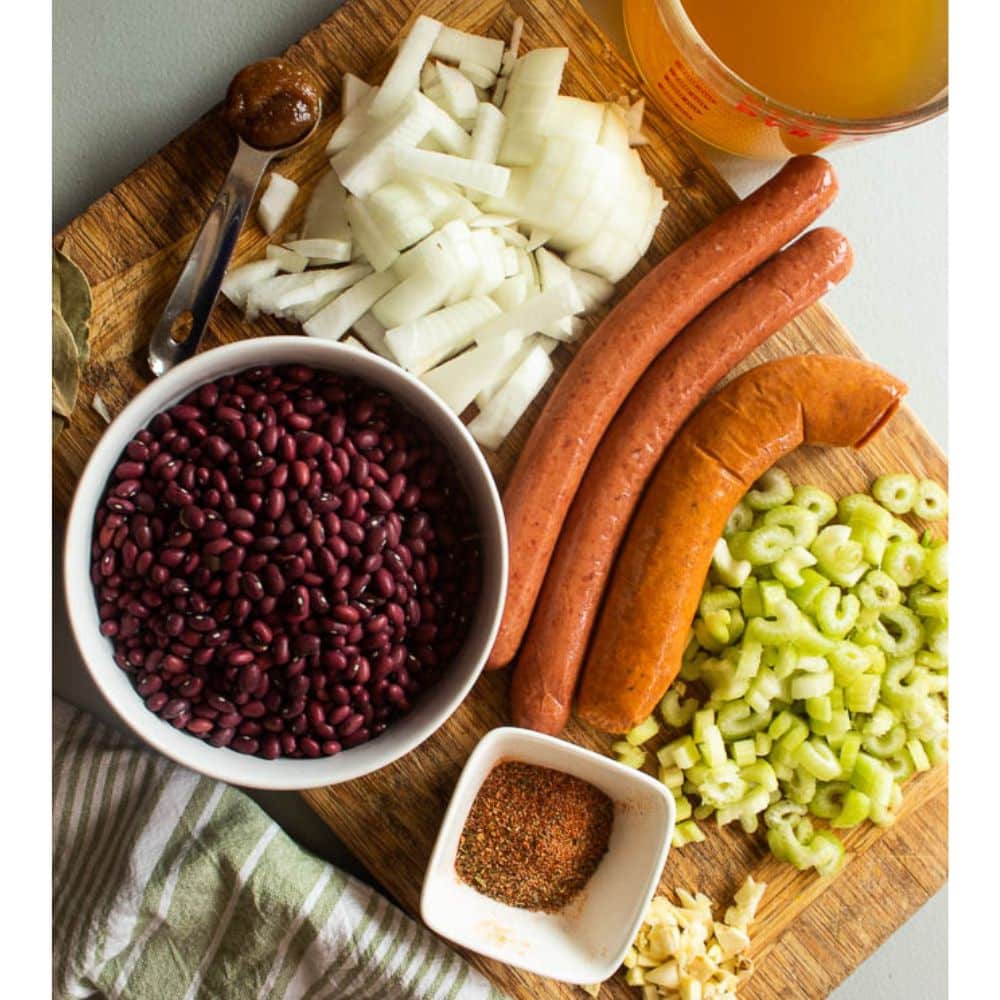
(130, 74)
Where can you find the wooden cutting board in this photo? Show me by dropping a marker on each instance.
(810, 932)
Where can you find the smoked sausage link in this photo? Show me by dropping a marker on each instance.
(602, 374)
(729, 443)
(548, 664)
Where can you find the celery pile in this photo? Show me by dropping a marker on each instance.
(816, 677)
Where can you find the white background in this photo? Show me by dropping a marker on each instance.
(130, 74)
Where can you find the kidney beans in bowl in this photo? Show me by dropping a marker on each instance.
(293, 551)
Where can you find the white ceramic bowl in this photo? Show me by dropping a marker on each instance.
(433, 706)
(586, 941)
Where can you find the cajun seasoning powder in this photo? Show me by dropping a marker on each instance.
(534, 836)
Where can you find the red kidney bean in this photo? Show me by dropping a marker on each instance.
(280, 474)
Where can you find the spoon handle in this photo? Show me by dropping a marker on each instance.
(193, 297)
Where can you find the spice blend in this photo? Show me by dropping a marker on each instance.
(534, 836)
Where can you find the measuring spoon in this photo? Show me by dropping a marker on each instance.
(274, 108)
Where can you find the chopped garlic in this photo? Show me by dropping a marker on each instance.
(101, 408)
(682, 953)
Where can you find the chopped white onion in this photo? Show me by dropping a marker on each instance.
(237, 283)
(403, 77)
(331, 251)
(485, 177)
(481, 77)
(335, 319)
(456, 46)
(370, 160)
(276, 201)
(421, 293)
(355, 343)
(288, 260)
(534, 314)
(353, 124)
(510, 56)
(504, 410)
(594, 290)
(315, 285)
(425, 342)
(325, 216)
(459, 92)
(503, 372)
(372, 333)
(573, 118)
(368, 236)
(487, 133)
(534, 86)
(458, 381)
(352, 90)
(399, 213)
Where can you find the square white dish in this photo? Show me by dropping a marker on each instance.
(586, 941)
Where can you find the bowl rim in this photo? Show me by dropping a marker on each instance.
(223, 764)
(492, 746)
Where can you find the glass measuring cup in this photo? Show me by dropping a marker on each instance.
(714, 103)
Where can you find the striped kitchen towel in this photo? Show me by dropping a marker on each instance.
(170, 885)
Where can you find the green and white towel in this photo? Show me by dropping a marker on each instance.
(170, 885)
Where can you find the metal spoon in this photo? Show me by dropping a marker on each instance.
(178, 333)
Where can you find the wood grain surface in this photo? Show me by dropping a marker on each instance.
(131, 243)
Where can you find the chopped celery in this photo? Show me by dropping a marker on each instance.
(808, 593)
(896, 492)
(784, 812)
(754, 801)
(837, 555)
(800, 521)
(677, 713)
(918, 755)
(878, 590)
(862, 693)
(868, 514)
(904, 561)
(805, 686)
(936, 566)
(818, 759)
(881, 721)
(836, 612)
(718, 599)
(873, 543)
(820, 709)
(764, 688)
(855, 504)
(773, 489)
(687, 832)
(760, 773)
(672, 777)
(702, 720)
(887, 744)
(849, 754)
(737, 720)
(644, 731)
(722, 785)
(713, 747)
(829, 799)
(816, 501)
(683, 806)
(772, 595)
(848, 662)
(685, 752)
(767, 544)
(801, 787)
(900, 766)
(788, 568)
(854, 810)
(750, 599)
(762, 743)
(740, 519)
(627, 754)
(932, 501)
(835, 728)
(729, 570)
(901, 633)
(873, 778)
(934, 605)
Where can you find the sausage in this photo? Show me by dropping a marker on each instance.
(551, 655)
(603, 372)
(729, 443)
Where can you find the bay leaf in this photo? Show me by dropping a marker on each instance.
(65, 367)
(75, 301)
(58, 426)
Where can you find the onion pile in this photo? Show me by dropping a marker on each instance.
(472, 216)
